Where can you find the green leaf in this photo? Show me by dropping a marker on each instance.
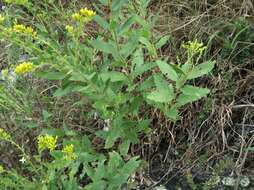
(60, 92)
(46, 115)
(201, 69)
(113, 135)
(115, 160)
(117, 5)
(164, 92)
(191, 94)
(162, 42)
(130, 46)
(126, 26)
(146, 84)
(102, 22)
(51, 75)
(148, 45)
(167, 70)
(131, 166)
(124, 147)
(31, 125)
(96, 185)
(105, 47)
(141, 69)
(172, 113)
(104, 2)
(113, 76)
(138, 58)
(100, 171)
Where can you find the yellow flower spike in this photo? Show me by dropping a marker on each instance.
(76, 16)
(4, 135)
(69, 152)
(19, 28)
(87, 13)
(2, 18)
(69, 29)
(30, 31)
(47, 142)
(24, 68)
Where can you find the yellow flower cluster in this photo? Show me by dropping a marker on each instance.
(24, 68)
(18, 2)
(69, 152)
(194, 47)
(2, 18)
(20, 28)
(87, 13)
(69, 29)
(83, 15)
(47, 142)
(4, 135)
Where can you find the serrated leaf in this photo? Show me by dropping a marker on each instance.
(140, 69)
(113, 135)
(191, 94)
(131, 166)
(195, 91)
(201, 69)
(146, 84)
(167, 70)
(164, 92)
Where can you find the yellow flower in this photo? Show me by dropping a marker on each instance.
(47, 142)
(76, 16)
(69, 29)
(4, 135)
(2, 18)
(24, 68)
(30, 31)
(83, 15)
(69, 152)
(87, 13)
(194, 47)
(20, 28)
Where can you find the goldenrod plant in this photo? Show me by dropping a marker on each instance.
(116, 71)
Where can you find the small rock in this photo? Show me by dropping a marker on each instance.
(228, 181)
(245, 181)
